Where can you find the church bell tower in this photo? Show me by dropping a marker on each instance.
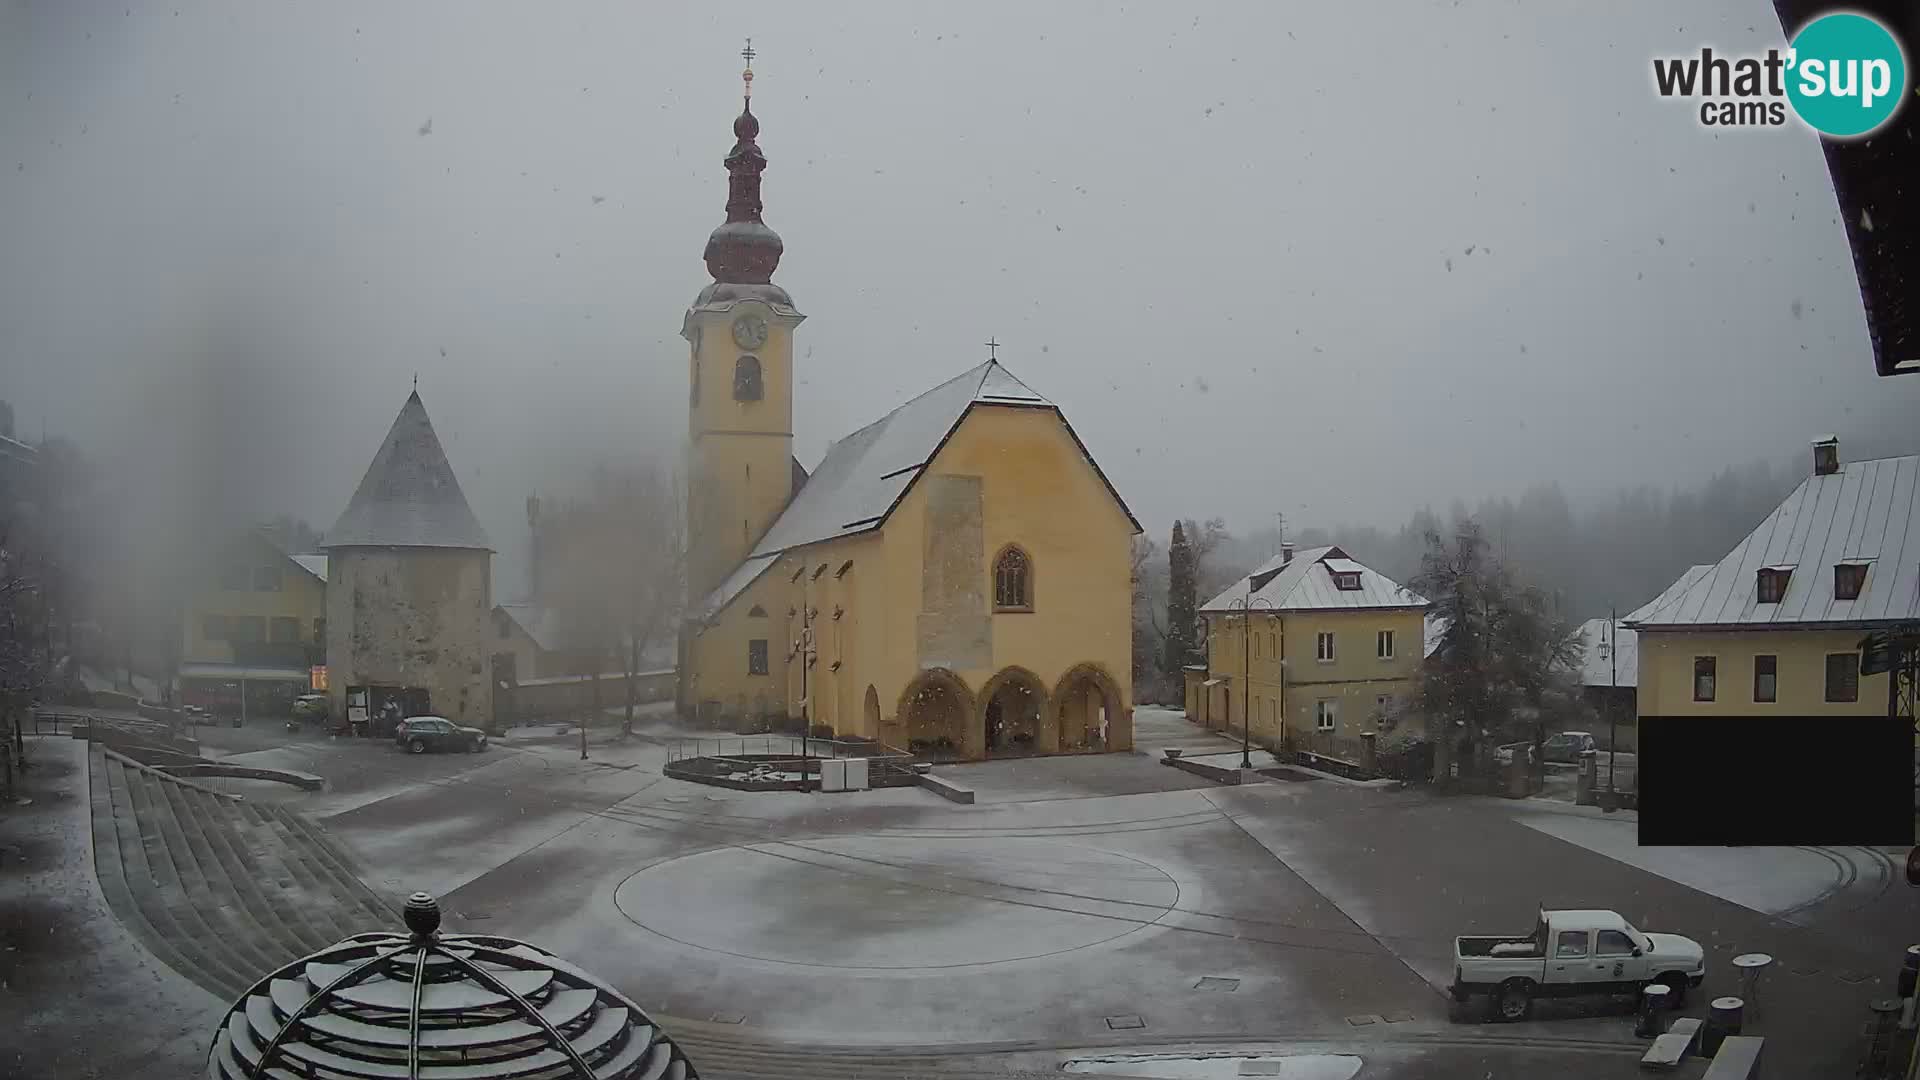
(740, 397)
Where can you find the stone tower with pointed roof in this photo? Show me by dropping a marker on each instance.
(954, 578)
(409, 584)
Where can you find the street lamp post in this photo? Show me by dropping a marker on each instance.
(1247, 607)
(1613, 698)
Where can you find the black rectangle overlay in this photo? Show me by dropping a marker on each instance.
(1776, 780)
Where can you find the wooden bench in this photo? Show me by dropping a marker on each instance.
(1737, 1059)
(1670, 1049)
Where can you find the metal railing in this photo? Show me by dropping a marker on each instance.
(786, 752)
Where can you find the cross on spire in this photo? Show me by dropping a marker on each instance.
(746, 76)
(993, 349)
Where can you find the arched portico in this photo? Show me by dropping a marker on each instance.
(1089, 711)
(934, 710)
(1013, 715)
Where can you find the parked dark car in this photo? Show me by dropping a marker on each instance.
(1568, 745)
(419, 734)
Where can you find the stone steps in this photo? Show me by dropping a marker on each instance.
(223, 890)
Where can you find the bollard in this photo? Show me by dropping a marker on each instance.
(1724, 1016)
(1519, 775)
(1886, 1014)
(1653, 999)
(1909, 976)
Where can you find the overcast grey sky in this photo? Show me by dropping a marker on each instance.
(1231, 240)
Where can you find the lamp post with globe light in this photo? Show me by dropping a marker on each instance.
(1246, 607)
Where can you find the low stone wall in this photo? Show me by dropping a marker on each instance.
(302, 780)
(1215, 773)
(571, 695)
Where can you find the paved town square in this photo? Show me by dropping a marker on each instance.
(1088, 912)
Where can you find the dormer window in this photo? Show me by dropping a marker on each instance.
(1849, 578)
(1773, 583)
(1346, 573)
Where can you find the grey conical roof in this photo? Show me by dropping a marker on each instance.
(409, 497)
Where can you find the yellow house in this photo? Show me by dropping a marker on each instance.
(1774, 628)
(258, 616)
(1330, 648)
(953, 578)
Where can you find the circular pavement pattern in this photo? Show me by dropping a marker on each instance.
(897, 903)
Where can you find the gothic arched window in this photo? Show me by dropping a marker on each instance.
(746, 379)
(1012, 580)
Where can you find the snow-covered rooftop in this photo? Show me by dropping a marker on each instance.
(1603, 653)
(1867, 511)
(409, 496)
(312, 564)
(864, 475)
(1306, 584)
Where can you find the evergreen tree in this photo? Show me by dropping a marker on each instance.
(1181, 603)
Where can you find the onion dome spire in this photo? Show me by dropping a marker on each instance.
(744, 250)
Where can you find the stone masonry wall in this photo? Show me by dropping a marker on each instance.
(413, 617)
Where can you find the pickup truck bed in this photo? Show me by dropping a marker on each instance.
(1497, 946)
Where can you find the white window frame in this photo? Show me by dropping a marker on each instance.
(1383, 644)
(1326, 715)
(1323, 647)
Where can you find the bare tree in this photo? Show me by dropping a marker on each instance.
(611, 567)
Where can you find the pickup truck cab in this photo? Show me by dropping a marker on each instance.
(1572, 953)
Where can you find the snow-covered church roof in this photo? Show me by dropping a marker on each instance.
(865, 475)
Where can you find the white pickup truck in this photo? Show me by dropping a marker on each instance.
(1569, 953)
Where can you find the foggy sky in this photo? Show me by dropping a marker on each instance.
(1231, 240)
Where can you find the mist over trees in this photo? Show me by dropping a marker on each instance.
(1586, 556)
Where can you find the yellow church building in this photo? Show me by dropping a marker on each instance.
(952, 579)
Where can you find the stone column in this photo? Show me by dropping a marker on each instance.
(1369, 754)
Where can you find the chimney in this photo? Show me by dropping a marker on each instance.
(1286, 552)
(1826, 455)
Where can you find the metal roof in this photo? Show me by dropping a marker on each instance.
(1873, 186)
(1868, 510)
(1678, 588)
(312, 564)
(409, 496)
(1597, 668)
(426, 1004)
(1306, 584)
(863, 476)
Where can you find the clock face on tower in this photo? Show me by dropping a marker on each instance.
(749, 331)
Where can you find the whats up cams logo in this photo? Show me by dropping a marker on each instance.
(1843, 74)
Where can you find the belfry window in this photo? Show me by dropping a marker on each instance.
(746, 379)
